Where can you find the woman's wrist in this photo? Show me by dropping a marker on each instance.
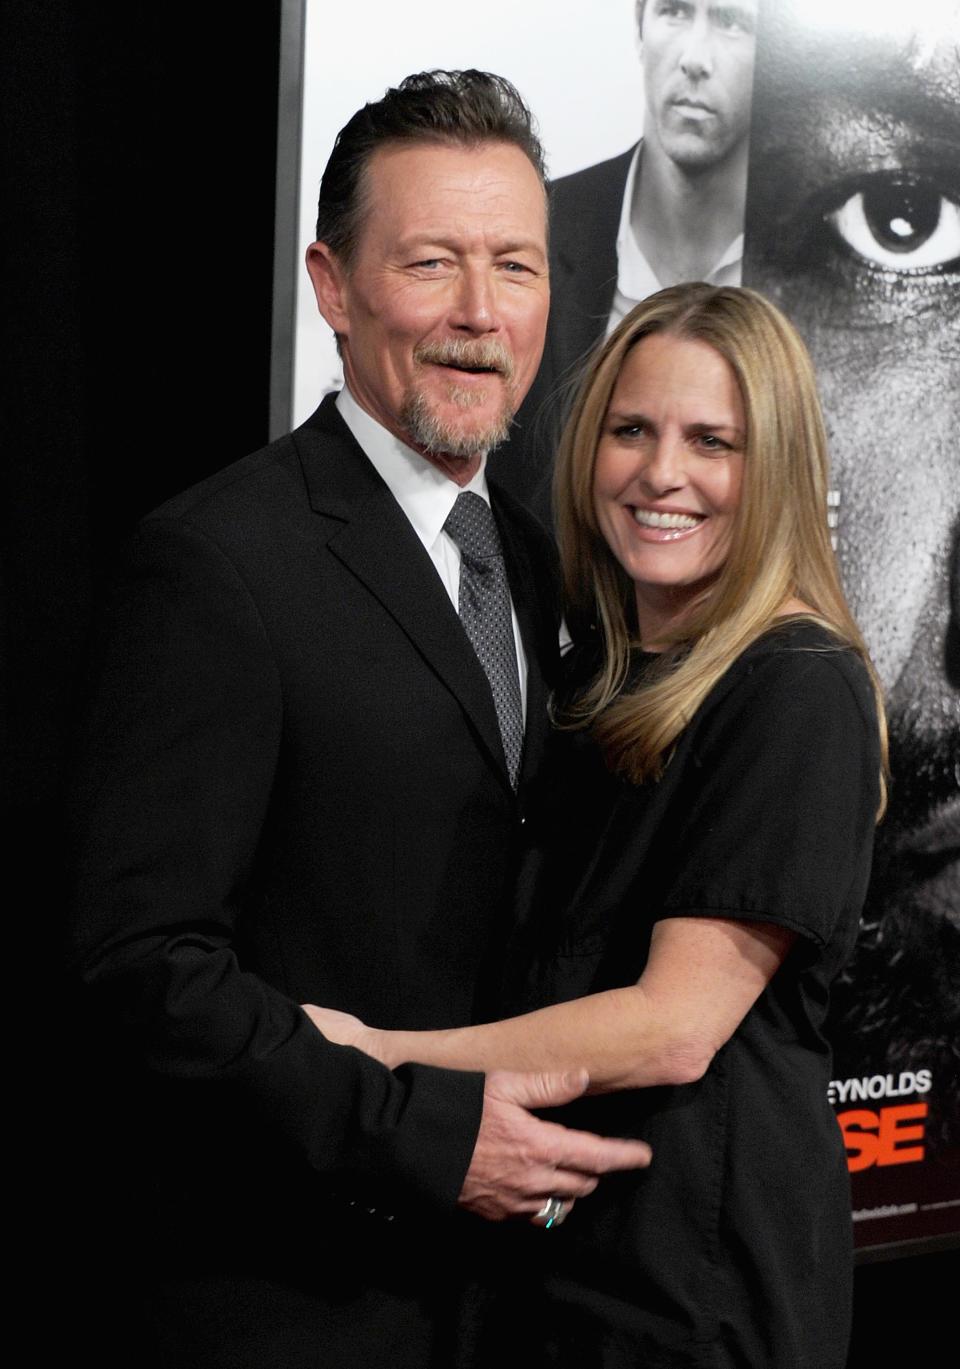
(383, 1046)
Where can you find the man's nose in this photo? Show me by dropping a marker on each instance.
(696, 54)
(474, 307)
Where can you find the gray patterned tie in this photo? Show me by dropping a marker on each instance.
(485, 614)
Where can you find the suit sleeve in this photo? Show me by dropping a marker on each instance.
(175, 767)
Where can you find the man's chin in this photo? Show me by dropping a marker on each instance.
(459, 433)
(693, 151)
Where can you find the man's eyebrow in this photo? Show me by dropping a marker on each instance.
(746, 14)
(442, 241)
(520, 245)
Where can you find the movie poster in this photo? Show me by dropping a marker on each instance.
(819, 146)
(853, 229)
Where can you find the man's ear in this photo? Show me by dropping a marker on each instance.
(329, 282)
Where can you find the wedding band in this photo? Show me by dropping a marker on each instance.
(551, 1214)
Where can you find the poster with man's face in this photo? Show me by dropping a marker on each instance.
(809, 149)
(853, 229)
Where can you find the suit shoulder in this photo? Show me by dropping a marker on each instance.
(583, 187)
(241, 484)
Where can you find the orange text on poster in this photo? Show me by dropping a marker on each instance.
(883, 1137)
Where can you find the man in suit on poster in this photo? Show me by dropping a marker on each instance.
(302, 779)
(668, 210)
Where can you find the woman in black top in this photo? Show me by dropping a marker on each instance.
(700, 855)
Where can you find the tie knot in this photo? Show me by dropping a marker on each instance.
(471, 525)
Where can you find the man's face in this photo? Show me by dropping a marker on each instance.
(698, 78)
(441, 317)
(853, 218)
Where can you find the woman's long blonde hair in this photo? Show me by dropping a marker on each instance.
(779, 547)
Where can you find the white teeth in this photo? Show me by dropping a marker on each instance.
(649, 518)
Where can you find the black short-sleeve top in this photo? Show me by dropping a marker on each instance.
(734, 1247)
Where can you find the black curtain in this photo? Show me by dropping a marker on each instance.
(142, 151)
(141, 158)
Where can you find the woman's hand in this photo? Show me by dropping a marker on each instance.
(345, 1030)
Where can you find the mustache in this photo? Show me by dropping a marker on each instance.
(478, 354)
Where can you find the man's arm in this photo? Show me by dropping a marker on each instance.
(177, 767)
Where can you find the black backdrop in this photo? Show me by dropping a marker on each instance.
(143, 156)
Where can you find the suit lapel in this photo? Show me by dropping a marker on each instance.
(376, 543)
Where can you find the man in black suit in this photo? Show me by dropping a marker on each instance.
(299, 782)
(668, 210)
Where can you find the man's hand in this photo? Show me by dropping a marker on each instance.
(520, 1161)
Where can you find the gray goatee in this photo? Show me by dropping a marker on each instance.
(458, 438)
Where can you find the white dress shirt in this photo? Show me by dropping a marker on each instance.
(426, 496)
(635, 277)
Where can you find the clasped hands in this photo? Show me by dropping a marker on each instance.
(520, 1162)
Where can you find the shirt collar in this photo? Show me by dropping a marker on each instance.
(635, 277)
(423, 492)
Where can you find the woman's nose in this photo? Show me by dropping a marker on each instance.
(664, 468)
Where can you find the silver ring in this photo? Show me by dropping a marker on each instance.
(551, 1214)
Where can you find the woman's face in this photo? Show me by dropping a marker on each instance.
(668, 473)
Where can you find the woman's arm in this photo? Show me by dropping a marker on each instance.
(701, 979)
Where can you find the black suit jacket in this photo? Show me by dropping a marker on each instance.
(292, 788)
(584, 220)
